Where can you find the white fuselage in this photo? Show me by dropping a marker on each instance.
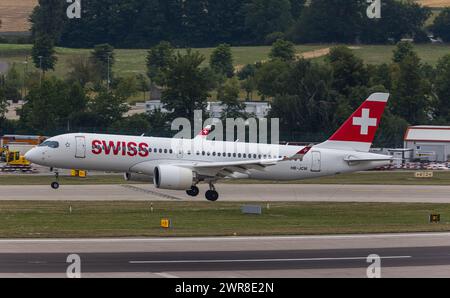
(133, 154)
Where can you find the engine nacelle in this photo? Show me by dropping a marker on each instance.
(137, 177)
(173, 177)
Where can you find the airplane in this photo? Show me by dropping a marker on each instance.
(181, 164)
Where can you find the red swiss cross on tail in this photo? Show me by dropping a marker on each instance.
(359, 130)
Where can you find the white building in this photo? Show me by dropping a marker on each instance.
(430, 143)
(257, 108)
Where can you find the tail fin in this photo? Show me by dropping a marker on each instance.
(358, 132)
(204, 132)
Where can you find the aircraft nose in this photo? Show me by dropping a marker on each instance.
(31, 155)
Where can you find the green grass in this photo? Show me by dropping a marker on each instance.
(133, 61)
(132, 219)
(369, 178)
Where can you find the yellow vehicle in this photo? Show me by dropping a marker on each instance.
(14, 161)
(14, 158)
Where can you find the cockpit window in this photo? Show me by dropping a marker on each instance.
(50, 144)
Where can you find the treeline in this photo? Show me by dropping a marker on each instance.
(199, 23)
(311, 99)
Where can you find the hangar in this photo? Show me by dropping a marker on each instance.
(429, 143)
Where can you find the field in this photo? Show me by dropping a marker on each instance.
(14, 14)
(134, 219)
(435, 3)
(131, 62)
(365, 178)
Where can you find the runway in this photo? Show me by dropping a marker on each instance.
(401, 255)
(235, 192)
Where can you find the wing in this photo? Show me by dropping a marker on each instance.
(236, 169)
(230, 169)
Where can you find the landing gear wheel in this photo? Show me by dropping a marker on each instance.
(55, 185)
(193, 192)
(212, 195)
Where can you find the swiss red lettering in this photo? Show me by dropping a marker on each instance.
(132, 151)
(115, 147)
(96, 147)
(119, 147)
(143, 150)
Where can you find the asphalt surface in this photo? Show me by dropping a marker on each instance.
(235, 192)
(226, 261)
(402, 255)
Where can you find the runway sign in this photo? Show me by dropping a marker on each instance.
(166, 223)
(251, 209)
(424, 175)
(435, 218)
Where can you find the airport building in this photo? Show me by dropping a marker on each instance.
(429, 143)
(258, 108)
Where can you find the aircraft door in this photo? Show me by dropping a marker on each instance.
(80, 147)
(316, 165)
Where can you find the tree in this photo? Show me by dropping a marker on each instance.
(228, 95)
(83, 71)
(330, 21)
(143, 84)
(13, 84)
(410, 91)
(249, 85)
(158, 60)
(263, 17)
(348, 70)
(403, 49)
(271, 78)
(442, 90)
(307, 104)
(399, 19)
(151, 25)
(221, 60)
(195, 22)
(46, 106)
(43, 53)
(108, 107)
(283, 50)
(441, 25)
(297, 8)
(103, 58)
(187, 85)
(135, 124)
(3, 104)
(48, 19)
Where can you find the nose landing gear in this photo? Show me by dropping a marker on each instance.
(55, 184)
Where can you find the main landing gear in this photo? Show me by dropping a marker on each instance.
(193, 192)
(212, 195)
(55, 184)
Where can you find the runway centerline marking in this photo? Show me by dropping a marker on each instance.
(265, 260)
